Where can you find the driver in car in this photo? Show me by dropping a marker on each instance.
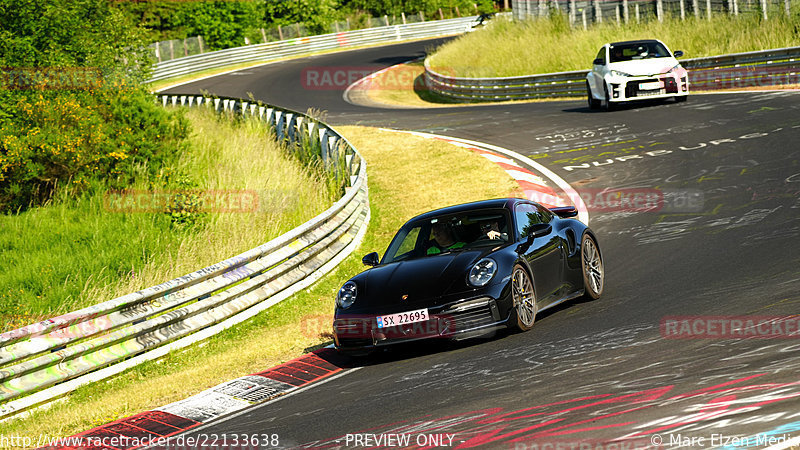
(492, 231)
(443, 238)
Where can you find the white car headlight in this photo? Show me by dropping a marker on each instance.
(482, 272)
(346, 295)
(674, 69)
(617, 73)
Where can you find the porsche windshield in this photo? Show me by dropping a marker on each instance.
(637, 50)
(447, 234)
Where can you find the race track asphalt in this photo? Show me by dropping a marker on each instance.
(726, 242)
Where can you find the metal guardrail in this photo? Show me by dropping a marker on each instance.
(292, 47)
(116, 334)
(739, 70)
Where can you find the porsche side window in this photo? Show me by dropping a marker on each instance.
(528, 215)
(408, 244)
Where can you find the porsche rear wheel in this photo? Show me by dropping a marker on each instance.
(592, 265)
(524, 298)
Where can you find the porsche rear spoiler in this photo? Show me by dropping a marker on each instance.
(565, 211)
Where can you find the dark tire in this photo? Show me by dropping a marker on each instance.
(593, 102)
(607, 105)
(525, 307)
(592, 268)
(681, 98)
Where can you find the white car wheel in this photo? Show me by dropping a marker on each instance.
(593, 102)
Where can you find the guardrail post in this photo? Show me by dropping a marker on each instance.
(788, 6)
(572, 12)
(638, 16)
(660, 10)
(708, 9)
(279, 125)
(583, 16)
(598, 12)
(696, 9)
(683, 10)
(625, 12)
(403, 16)
(617, 15)
(764, 8)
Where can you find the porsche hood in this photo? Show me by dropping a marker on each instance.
(422, 281)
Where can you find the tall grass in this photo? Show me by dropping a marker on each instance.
(441, 174)
(75, 251)
(514, 48)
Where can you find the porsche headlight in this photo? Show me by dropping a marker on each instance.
(346, 295)
(617, 73)
(482, 272)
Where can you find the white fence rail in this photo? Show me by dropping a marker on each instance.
(299, 46)
(42, 361)
(735, 71)
(586, 12)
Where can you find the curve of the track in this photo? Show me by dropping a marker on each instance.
(591, 372)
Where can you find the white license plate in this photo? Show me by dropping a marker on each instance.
(651, 86)
(392, 320)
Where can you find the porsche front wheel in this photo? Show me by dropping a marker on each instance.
(592, 265)
(524, 298)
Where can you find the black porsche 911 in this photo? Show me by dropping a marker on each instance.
(467, 270)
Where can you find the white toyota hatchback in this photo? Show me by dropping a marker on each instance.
(635, 70)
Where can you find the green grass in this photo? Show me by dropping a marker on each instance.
(75, 251)
(507, 48)
(444, 175)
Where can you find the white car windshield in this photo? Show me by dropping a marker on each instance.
(637, 50)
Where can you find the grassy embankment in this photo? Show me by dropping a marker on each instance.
(77, 250)
(407, 175)
(507, 48)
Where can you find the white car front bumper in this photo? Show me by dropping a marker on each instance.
(622, 89)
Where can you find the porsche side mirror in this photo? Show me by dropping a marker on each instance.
(600, 62)
(678, 53)
(539, 230)
(371, 259)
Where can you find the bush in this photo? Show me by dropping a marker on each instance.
(74, 138)
(73, 111)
